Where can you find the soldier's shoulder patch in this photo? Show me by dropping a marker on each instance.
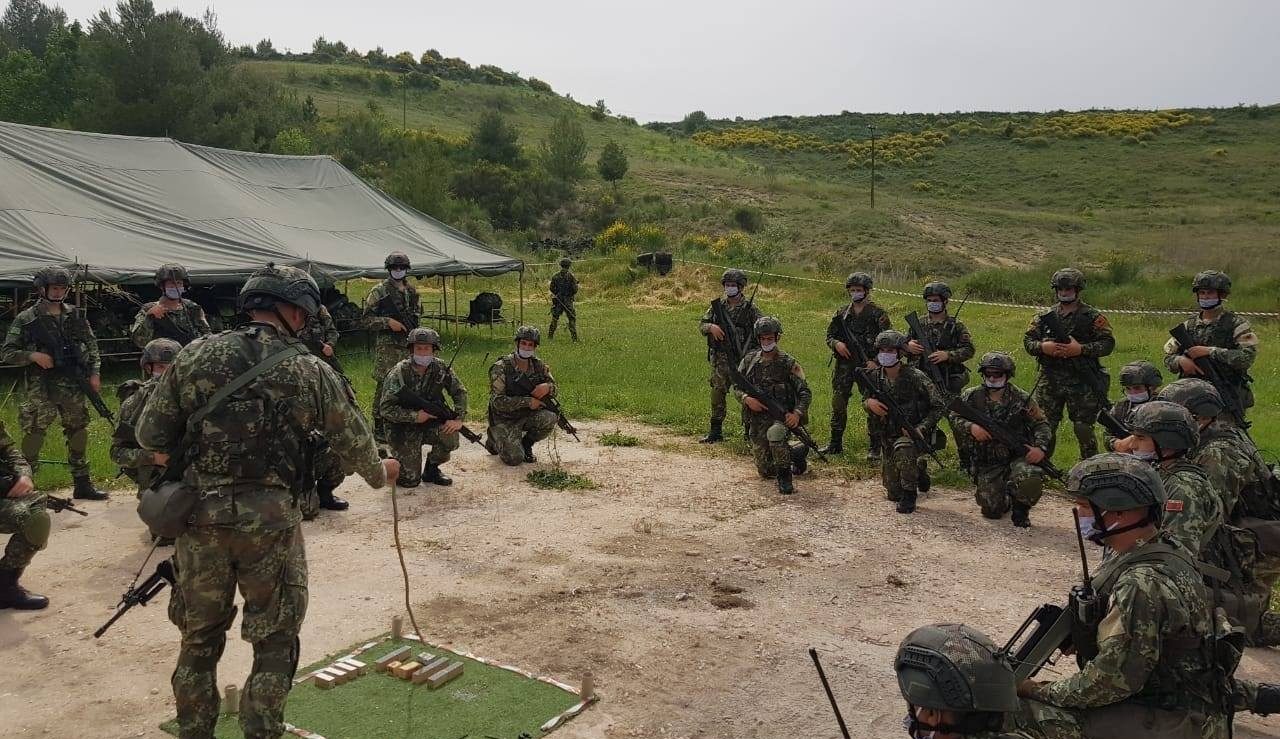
(1173, 506)
(797, 370)
(1100, 322)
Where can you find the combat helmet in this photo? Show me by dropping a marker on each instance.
(953, 667)
(1170, 425)
(528, 333)
(997, 361)
(1212, 279)
(766, 325)
(46, 276)
(171, 271)
(1117, 482)
(890, 339)
(273, 284)
(1067, 277)
(736, 276)
(1140, 372)
(859, 279)
(566, 263)
(1198, 396)
(396, 259)
(422, 335)
(163, 351)
(941, 289)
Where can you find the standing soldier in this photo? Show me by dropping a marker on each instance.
(1140, 382)
(423, 375)
(922, 405)
(564, 286)
(56, 344)
(1068, 341)
(519, 385)
(952, 347)
(140, 465)
(1219, 334)
(321, 337)
(391, 310)
(320, 334)
(172, 316)
(22, 514)
(247, 460)
(722, 353)
(1005, 477)
(780, 376)
(851, 336)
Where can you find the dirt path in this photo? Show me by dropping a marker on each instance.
(683, 583)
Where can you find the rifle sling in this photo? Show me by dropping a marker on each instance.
(241, 380)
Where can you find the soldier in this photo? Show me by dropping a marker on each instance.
(956, 684)
(248, 464)
(140, 465)
(22, 514)
(1140, 381)
(424, 375)
(320, 334)
(742, 314)
(564, 286)
(390, 310)
(1073, 374)
(779, 375)
(922, 404)
(1224, 337)
(172, 316)
(952, 347)
(858, 322)
(519, 385)
(36, 339)
(1152, 675)
(1225, 452)
(1005, 477)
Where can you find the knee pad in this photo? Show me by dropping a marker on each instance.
(35, 527)
(776, 433)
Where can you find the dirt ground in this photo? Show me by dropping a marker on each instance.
(686, 585)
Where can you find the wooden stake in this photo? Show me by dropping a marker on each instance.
(588, 690)
(397, 627)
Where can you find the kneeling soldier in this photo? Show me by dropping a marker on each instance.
(780, 376)
(425, 376)
(23, 514)
(519, 385)
(1140, 382)
(141, 465)
(921, 403)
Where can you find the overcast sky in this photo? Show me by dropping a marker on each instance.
(659, 59)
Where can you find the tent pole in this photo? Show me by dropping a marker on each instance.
(457, 325)
(444, 302)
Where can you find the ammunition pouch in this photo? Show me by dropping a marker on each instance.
(166, 508)
(1266, 536)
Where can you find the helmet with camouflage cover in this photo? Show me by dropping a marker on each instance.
(172, 271)
(1140, 372)
(736, 276)
(941, 289)
(528, 333)
(422, 335)
(280, 284)
(396, 259)
(766, 325)
(46, 276)
(1170, 425)
(566, 263)
(859, 279)
(1067, 277)
(1117, 482)
(1198, 396)
(163, 351)
(890, 339)
(953, 667)
(997, 361)
(1212, 279)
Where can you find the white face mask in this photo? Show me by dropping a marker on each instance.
(173, 293)
(1146, 455)
(1088, 529)
(423, 360)
(1209, 304)
(157, 374)
(857, 296)
(995, 384)
(934, 306)
(1138, 398)
(398, 274)
(887, 359)
(1067, 297)
(731, 291)
(768, 346)
(526, 353)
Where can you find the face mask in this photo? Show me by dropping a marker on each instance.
(731, 291)
(1138, 398)
(934, 306)
(526, 353)
(887, 359)
(914, 730)
(398, 274)
(157, 374)
(1144, 455)
(173, 293)
(768, 346)
(995, 383)
(423, 361)
(858, 296)
(1067, 297)
(1088, 529)
(1209, 304)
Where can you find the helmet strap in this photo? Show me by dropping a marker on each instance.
(275, 308)
(1102, 534)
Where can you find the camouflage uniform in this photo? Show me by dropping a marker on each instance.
(1193, 514)
(862, 326)
(388, 346)
(25, 518)
(134, 461)
(1234, 343)
(189, 318)
(564, 287)
(1002, 474)
(514, 427)
(318, 331)
(923, 405)
(782, 378)
(1134, 374)
(406, 436)
(246, 464)
(51, 394)
(1064, 380)
(743, 314)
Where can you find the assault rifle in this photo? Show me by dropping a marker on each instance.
(934, 371)
(165, 574)
(69, 362)
(1113, 424)
(1093, 375)
(897, 417)
(562, 420)
(1000, 433)
(316, 347)
(389, 308)
(858, 352)
(51, 502)
(1209, 369)
(438, 411)
(773, 408)
(1051, 628)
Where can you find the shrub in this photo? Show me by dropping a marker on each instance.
(617, 438)
(383, 83)
(612, 164)
(538, 85)
(921, 186)
(748, 218)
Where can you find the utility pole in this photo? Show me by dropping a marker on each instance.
(872, 128)
(404, 115)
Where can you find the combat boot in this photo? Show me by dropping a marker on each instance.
(84, 490)
(799, 458)
(785, 486)
(1021, 515)
(922, 475)
(328, 500)
(715, 434)
(1268, 699)
(907, 502)
(836, 445)
(432, 474)
(527, 444)
(13, 595)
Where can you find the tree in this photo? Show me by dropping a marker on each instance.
(565, 149)
(26, 24)
(600, 111)
(265, 50)
(494, 140)
(612, 164)
(694, 122)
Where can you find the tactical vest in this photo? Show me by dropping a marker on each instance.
(183, 320)
(910, 391)
(861, 327)
(68, 334)
(430, 385)
(1221, 333)
(774, 378)
(945, 336)
(743, 317)
(520, 384)
(1079, 325)
(562, 286)
(1012, 415)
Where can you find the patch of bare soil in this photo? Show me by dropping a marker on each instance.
(685, 584)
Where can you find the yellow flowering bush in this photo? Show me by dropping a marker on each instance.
(895, 148)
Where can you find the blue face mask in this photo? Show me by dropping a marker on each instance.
(173, 293)
(1208, 304)
(1146, 455)
(995, 383)
(887, 359)
(398, 274)
(934, 306)
(857, 296)
(1089, 530)
(731, 291)
(1138, 398)
(423, 361)
(1067, 297)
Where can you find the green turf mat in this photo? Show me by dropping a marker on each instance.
(484, 701)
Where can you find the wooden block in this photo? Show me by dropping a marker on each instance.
(445, 675)
(435, 665)
(395, 656)
(406, 670)
(425, 657)
(323, 681)
(352, 663)
(340, 675)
